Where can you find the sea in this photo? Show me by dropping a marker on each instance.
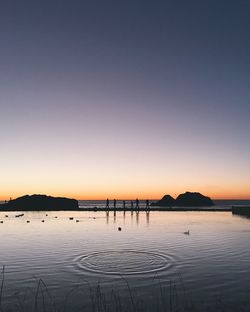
(125, 261)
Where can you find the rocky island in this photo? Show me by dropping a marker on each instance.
(195, 199)
(166, 201)
(187, 199)
(40, 203)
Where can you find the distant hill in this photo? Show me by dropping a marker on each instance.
(190, 199)
(40, 203)
(166, 201)
(187, 199)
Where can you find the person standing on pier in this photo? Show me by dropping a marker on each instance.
(114, 204)
(132, 205)
(124, 205)
(107, 204)
(137, 203)
(147, 204)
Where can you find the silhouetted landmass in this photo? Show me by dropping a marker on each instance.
(190, 199)
(40, 203)
(241, 210)
(187, 199)
(166, 201)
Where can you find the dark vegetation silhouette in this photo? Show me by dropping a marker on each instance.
(171, 297)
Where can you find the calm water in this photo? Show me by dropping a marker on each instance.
(212, 263)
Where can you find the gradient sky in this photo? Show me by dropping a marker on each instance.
(124, 98)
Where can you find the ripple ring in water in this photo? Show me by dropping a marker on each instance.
(124, 262)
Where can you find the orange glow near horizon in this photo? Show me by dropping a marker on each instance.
(129, 196)
(122, 175)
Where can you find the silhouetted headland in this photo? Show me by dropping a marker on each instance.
(187, 199)
(40, 203)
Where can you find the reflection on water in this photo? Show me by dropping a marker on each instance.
(112, 216)
(151, 246)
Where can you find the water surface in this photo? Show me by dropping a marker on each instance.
(150, 250)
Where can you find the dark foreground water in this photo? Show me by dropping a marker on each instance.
(149, 265)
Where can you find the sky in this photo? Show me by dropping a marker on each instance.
(124, 99)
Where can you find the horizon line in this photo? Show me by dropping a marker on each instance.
(120, 198)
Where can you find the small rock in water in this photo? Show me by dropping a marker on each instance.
(187, 232)
(42, 220)
(55, 216)
(77, 220)
(119, 228)
(1, 221)
(28, 221)
(20, 215)
(71, 218)
(6, 216)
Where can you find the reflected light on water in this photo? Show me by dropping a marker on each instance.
(64, 251)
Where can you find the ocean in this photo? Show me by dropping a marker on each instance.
(98, 261)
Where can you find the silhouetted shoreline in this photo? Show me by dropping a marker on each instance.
(4, 208)
(49, 203)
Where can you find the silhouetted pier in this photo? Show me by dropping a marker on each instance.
(137, 205)
(175, 209)
(124, 206)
